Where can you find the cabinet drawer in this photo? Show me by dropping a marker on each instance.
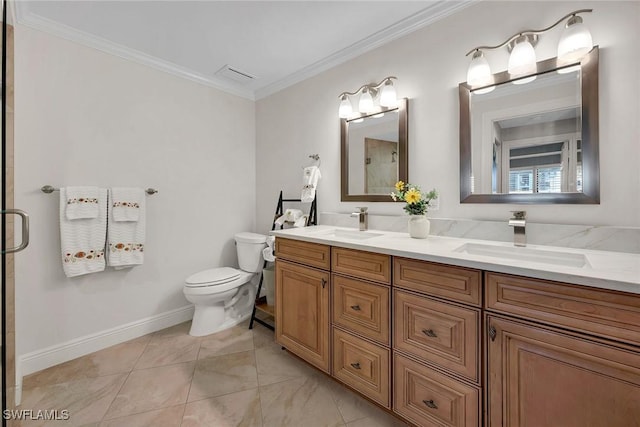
(312, 254)
(364, 265)
(456, 283)
(362, 365)
(428, 398)
(600, 312)
(362, 307)
(442, 333)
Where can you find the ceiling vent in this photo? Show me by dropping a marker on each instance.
(234, 74)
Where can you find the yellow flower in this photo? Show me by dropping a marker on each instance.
(412, 196)
(399, 185)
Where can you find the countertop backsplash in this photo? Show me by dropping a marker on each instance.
(603, 238)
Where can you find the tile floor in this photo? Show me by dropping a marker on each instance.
(238, 377)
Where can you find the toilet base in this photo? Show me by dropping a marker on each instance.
(209, 319)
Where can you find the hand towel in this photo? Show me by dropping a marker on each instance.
(310, 177)
(125, 239)
(292, 215)
(81, 202)
(267, 253)
(125, 203)
(82, 240)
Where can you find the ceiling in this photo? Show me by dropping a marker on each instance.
(278, 42)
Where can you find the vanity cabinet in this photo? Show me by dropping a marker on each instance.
(442, 345)
(544, 377)
(436, 343)
(361, 308)
(302, 301)
(560, 354)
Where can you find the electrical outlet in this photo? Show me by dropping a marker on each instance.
(434, 204)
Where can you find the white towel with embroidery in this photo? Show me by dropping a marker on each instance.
(125, 203)
(125, 239)
(82, 240)
(310, 177)
(81, 202)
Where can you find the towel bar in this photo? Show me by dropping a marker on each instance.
(50, 189)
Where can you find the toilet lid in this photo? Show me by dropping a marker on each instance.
(212, 277)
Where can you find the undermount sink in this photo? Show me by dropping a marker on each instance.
(352, 234)
(567, 259)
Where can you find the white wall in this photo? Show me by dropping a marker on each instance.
(429, 64)
(84, 117)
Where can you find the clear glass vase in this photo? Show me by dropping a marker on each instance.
(419, 226)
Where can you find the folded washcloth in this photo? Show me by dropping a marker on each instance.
(310, 177)
(125, 240)
(80, 202)
(125, 203)
(82, 240)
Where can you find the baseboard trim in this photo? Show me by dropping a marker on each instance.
(54, 355)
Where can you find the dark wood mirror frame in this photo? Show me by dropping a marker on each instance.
(590, 149)
(403, 154)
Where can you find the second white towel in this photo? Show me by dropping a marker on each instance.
(82, 240)
(125, 239)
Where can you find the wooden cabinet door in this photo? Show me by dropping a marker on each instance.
(545, 378)
(302, 312)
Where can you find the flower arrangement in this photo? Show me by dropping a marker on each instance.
(417, 201)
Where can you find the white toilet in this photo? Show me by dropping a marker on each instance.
(223, 297)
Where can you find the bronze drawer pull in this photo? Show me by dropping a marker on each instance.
(355, 307)
(430, 403)
(356, 365)
(429, 333)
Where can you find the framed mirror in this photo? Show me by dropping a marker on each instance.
(374, 154)
(535, 142)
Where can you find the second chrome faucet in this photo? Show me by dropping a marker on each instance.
(363, 218)
(518, 222)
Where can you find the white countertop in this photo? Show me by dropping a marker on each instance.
(607, 270)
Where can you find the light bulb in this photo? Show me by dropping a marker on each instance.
(388, 96)
(479, 72)
(575, 42)
(345, 108)
(366, 102)
(522, 60)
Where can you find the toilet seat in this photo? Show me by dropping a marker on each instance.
(216, 280)
(212, 277)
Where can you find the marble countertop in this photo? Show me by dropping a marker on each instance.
(603, 269)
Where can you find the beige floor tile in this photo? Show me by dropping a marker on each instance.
(299, 402)
(263, 337)
(225, 374)
(166, 417)
(169, 350)
(87, 400)
(117, 359)
(276, 365)
(241, 409)
(351, 406)
(233, 340)
(154, 388)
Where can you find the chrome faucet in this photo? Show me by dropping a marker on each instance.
(363, 218)
(518, 222)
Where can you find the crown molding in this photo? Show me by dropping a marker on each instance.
(421, 19)
(432, 13)
(28, 19)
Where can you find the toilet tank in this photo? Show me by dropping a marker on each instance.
(249, 247)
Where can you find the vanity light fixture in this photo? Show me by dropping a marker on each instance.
(574, 43)
(368, 92)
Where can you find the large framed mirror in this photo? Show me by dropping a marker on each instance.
(374, 154)
(535, 142)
